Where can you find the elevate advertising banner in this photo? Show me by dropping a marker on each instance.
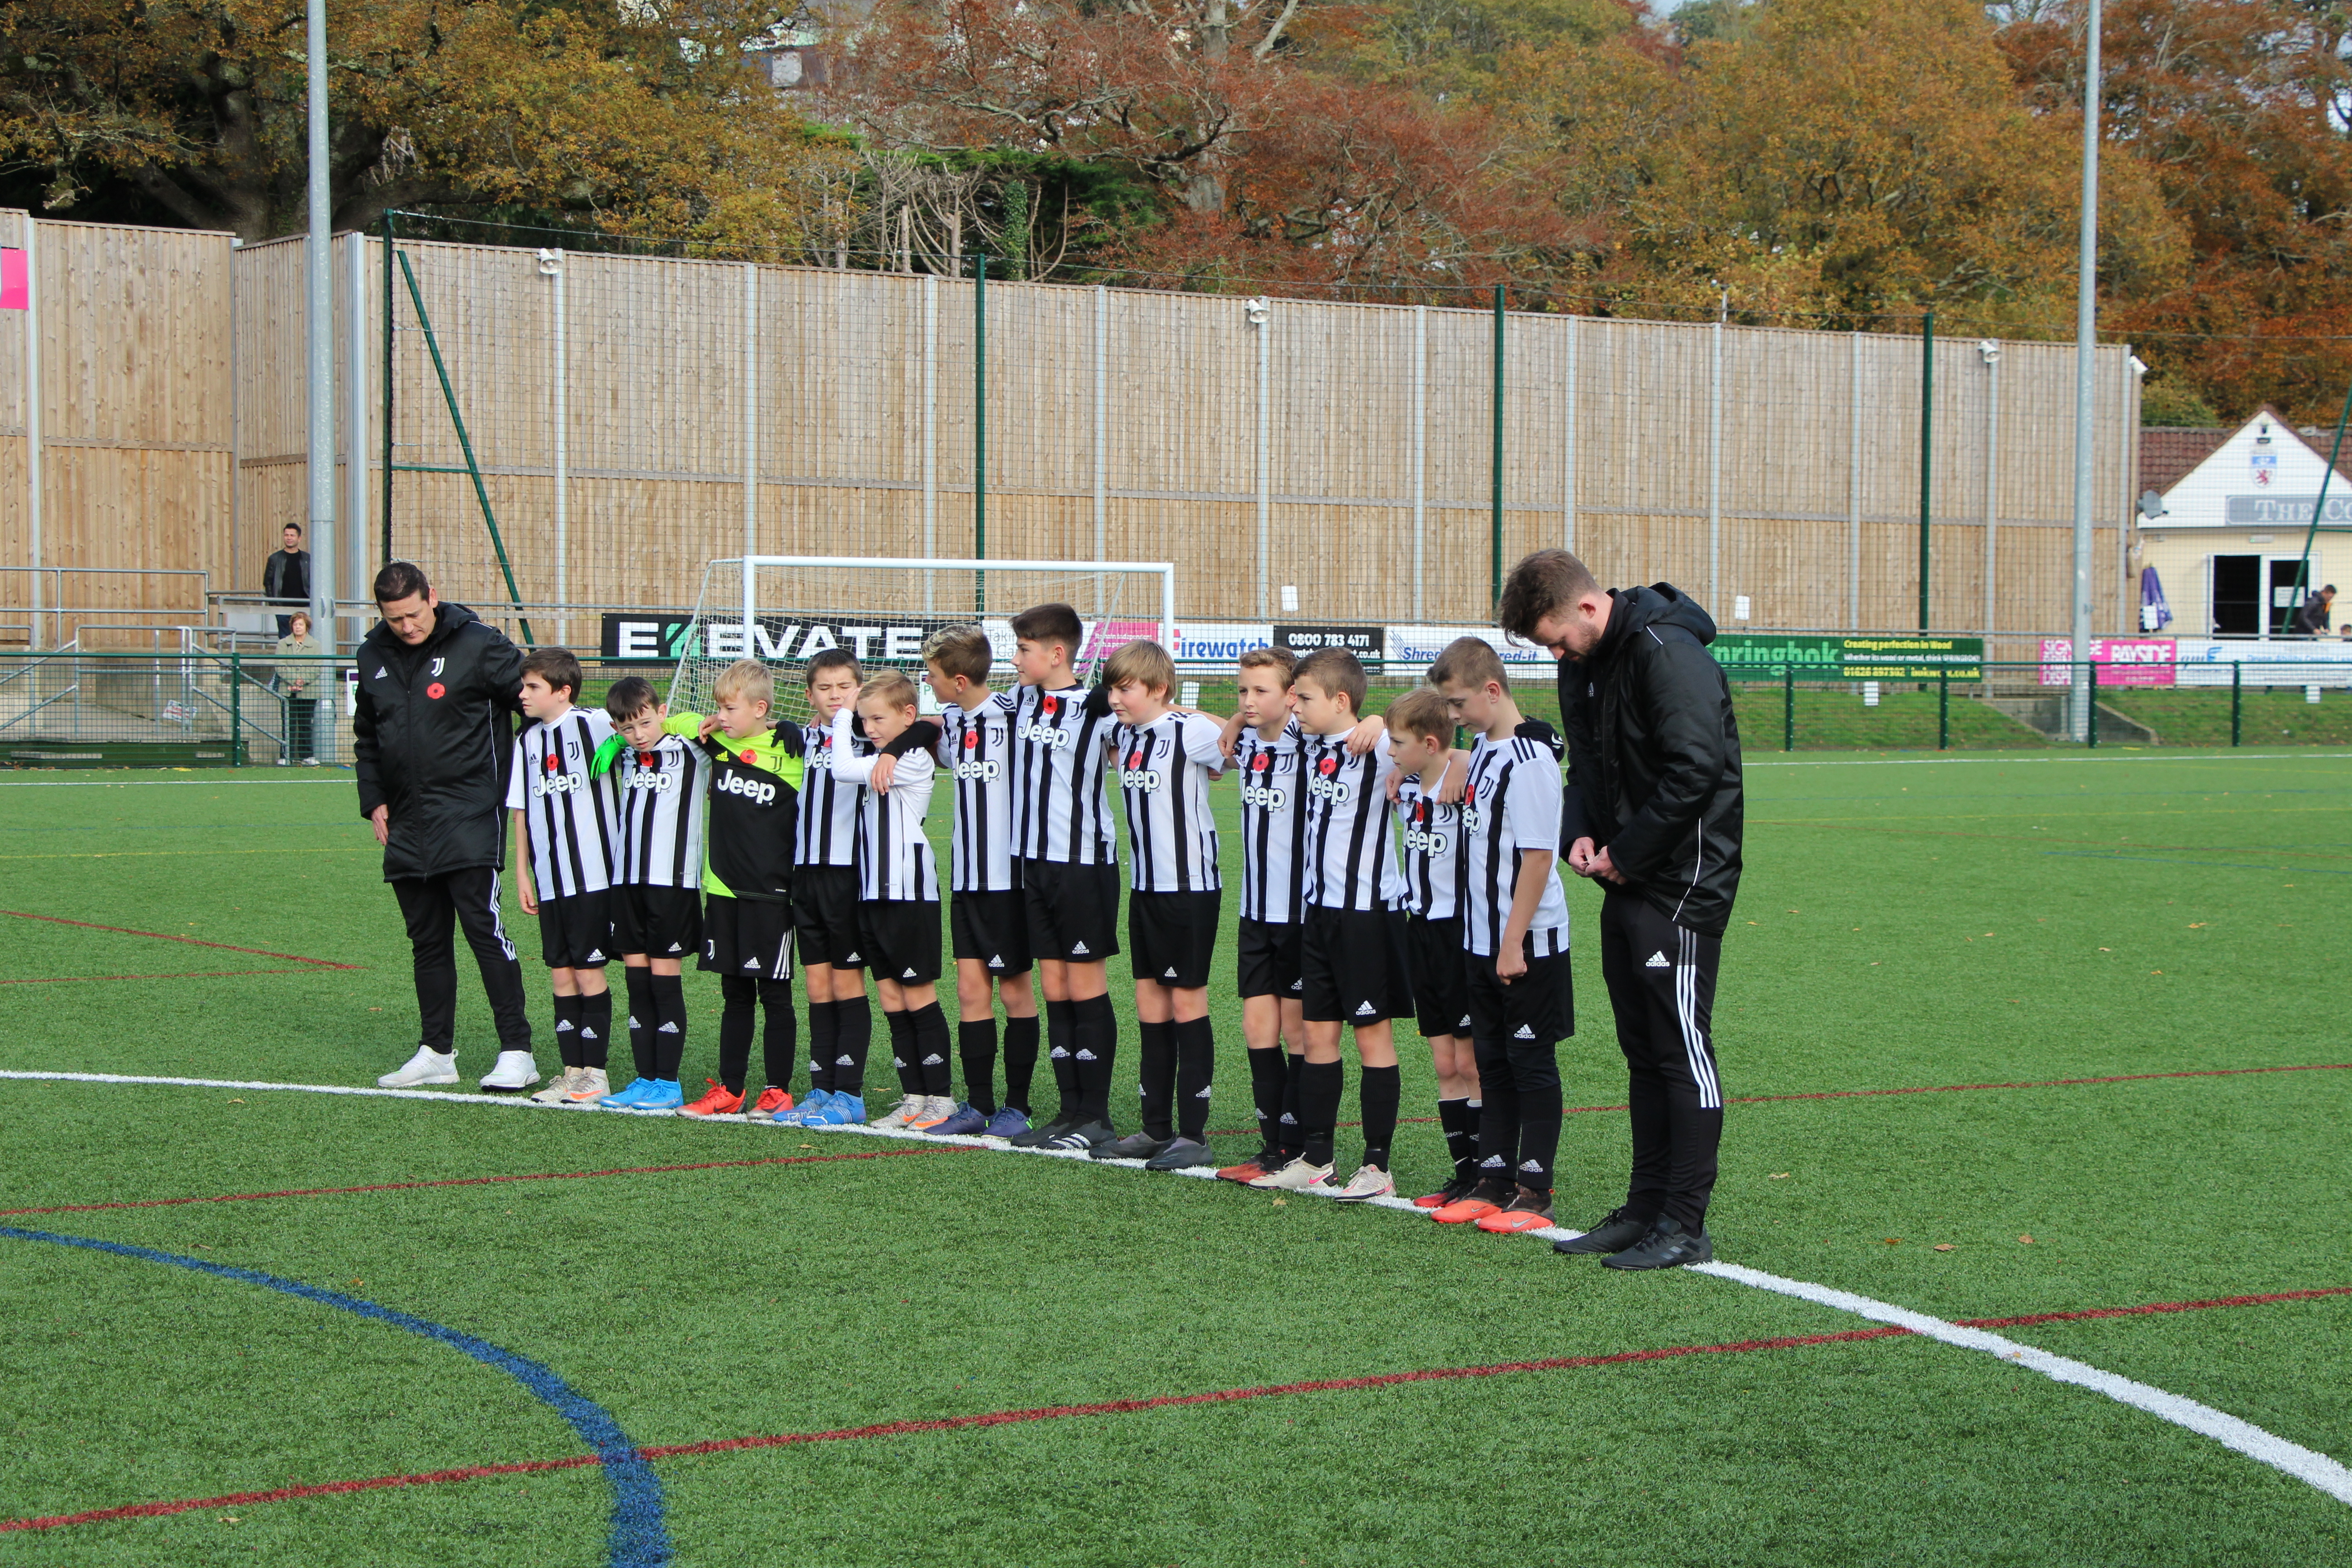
(663, 638)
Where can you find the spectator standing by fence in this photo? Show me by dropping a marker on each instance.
(286, 576)
(298, 654)
(2311, 619)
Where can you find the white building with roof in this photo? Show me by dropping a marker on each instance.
(2230, 536)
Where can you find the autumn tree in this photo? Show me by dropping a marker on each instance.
(2237, 111)
(191, 112)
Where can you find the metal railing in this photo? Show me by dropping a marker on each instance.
(45, 601)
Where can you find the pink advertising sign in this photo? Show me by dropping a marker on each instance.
(2122, 661)
(15, 285)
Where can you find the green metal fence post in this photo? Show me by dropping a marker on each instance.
(1787, 707)
(387, 387)
(2091, 685)
(465, 444)
(236, 719)
(1927, 452)
(1943, 710)
(1494, 526)
(979, 430)
(2237, 701)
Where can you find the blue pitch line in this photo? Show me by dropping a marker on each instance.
(2217, 865)
(639, 1537)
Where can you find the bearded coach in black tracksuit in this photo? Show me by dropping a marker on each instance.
(1653, 812)
(433, 740)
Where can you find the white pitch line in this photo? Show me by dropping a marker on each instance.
(2306, 1465)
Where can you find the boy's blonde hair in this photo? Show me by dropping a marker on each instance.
(1144, 662)
(1280, 659)
(1469, 661)
(892, 686)
(960, 651)
(1421, 713)
(749, 680)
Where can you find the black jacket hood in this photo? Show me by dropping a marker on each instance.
(1660, 603)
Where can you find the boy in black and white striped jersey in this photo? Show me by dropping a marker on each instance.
(1353, 965)
(1264, 737)
(1166, 760)
(664, 781)
(1515, 929)
(564, 820)
(987, 922)
(1421, 733)
(898, 896)
(824, 884)
(1062, 832)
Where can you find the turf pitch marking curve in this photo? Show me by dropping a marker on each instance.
(2315, 1469)
(638, 1536)
(1111, 1407)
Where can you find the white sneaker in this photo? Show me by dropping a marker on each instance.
(1368, 1182)
(559, 1088)
(427, 1066)
(589, 1085)
(1295, 1177)
(515, 1072)
(909, 1108)
(937, 1107)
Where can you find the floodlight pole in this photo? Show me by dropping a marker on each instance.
(319, 318)
(2086, 307)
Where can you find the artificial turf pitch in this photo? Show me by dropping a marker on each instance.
(948, 1322)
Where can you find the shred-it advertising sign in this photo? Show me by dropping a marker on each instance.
(654, 638)
(2122, 661)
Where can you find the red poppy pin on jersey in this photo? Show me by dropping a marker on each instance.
(971, 740)
(1329, 766)
(1135, 759)
(747, 759)
(436, 691)
(551, 762)
(644, 759)
(1051, 706)
(1260, 763)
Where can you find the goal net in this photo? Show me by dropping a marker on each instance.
(783, 610)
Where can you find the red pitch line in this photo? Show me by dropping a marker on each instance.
(192, 942)
(492, 1181)
(196, 975)
(1118, 1407)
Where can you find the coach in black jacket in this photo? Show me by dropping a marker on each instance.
(432, 744)
(1653, 810)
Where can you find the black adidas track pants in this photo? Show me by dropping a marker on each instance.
(1661, 979)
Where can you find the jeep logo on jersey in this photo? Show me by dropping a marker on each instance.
(1338, 791)
(653, 779)
(1265, 795)
(1145, 779)
(988, 770)
(558, 784)
(1047, 735)
(1472, 819)
(1423, 841)
(752, 790)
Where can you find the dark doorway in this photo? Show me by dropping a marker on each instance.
(2237, 595)
(2286, 598)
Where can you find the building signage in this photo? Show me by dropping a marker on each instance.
(2285, 512)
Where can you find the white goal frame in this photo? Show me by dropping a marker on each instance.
(1165, 571)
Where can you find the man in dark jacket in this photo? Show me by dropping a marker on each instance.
(1651, 811)
(2310, 618)
(286, 578)
(432, 744)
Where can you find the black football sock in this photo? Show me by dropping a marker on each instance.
(740, 1000)
(976, 1044)
(1319, 1084)
(596, 1030)
(1461, 1135)
(902, 1051)
(1196, 1065)
(1097, 1031)
(1291, 1144)
(1540, 1112)
(668, 1026)
(1062, 1054)
(641, 1019)
(823, 1032)
(1155, 1071)
(853, 1039)
(780, 1032)
(1020, 1061)
(930, 1025)
(567, 1029)
(1268, 1078)
(1498, 1116)
(1378, 1090)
